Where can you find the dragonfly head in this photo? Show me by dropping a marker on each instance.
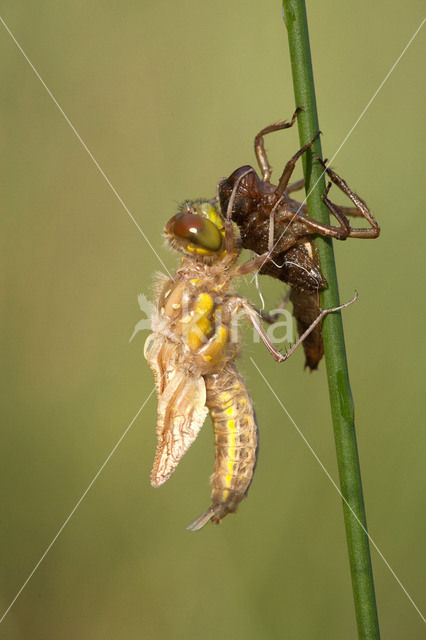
(197, 230)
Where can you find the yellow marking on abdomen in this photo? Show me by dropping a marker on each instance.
(235, 440)
(231, 447)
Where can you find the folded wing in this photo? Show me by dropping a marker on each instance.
(181, 405)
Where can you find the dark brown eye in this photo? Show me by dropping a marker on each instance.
(197, 230)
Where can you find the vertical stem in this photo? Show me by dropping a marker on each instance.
(341, 402)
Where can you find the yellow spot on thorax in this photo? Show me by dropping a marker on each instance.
(201, 325)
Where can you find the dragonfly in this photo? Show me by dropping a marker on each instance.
(271, 220)
(193, 347)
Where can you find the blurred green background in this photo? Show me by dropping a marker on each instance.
(168, 97)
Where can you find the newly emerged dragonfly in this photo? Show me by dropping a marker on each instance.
(192, 352)
(271, 220)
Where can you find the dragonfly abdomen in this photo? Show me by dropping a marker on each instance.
(236, 443)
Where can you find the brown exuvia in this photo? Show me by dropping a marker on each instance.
(272, 222)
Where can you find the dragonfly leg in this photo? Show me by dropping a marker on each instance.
(255, 321)
(259, 144)
(360, 208)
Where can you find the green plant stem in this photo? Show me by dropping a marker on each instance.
(341, 402)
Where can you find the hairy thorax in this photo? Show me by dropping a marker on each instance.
(192, 313)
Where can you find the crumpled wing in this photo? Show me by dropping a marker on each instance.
(181, 405)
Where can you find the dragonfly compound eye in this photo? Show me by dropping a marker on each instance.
(199, 231)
